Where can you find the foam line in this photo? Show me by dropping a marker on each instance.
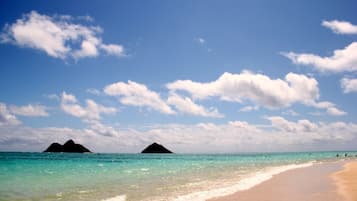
(116, 198)
(244, 184)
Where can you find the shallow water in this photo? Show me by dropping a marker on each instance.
(63, 176)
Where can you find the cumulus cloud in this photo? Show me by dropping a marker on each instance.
(68, 98)
(103, 130)
(349, 85)
(113, 49)
(136, 94)
(340, 27)
(330, 108)
(92, 110)
(305, 130)
(341, 60)
(29, 110)
(6, 118)
(58, 36)
(284, 125)
(259, 89)
(187, 106)
(335, 111)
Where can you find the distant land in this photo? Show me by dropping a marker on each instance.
(156, 148)
(69, 146)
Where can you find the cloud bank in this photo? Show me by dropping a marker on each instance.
(29, 110)
(279, 134)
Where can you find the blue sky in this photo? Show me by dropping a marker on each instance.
(197, 76)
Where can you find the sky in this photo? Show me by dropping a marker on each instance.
(195, 76)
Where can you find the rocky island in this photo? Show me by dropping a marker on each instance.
(156, 148)
(69, 146)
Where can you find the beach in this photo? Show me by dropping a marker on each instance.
(346, 181)
(328, 181)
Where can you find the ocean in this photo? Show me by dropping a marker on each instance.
(146, 177)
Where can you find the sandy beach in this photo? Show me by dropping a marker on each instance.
(330, 181)
(346, 181)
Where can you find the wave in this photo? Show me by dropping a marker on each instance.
(116, 198)
(244, 184)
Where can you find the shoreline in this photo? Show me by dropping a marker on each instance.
(346, 181)
(207, 178)
(321, 181)
(312, 181)
(245, 183)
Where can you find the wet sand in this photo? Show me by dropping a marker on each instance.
(315, 183)
(346, 181)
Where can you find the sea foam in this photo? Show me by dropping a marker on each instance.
(116, 198)
(244, 184)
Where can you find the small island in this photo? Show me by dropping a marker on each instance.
(69, 147)
(156, 148)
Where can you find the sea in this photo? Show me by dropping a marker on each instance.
(142, 177)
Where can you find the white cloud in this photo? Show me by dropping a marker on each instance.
(103, 130)
(349, 85)
(113, 49)
(287, 126)
(200, 40)
(88, 49)
(92, 110)
(52, 96)
(68, 98)
(93, 91)
(257, 88)
(322, 105)
(342, 59)
(58, 36)
(29, 110)
(187, 106)
(249, 108)
(137, 94)
(86, 18)
(340, 27)
(6, 118)
(307, 131)
(330, 108)
(335, 112)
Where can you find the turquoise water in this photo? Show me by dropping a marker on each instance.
(63, 176)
